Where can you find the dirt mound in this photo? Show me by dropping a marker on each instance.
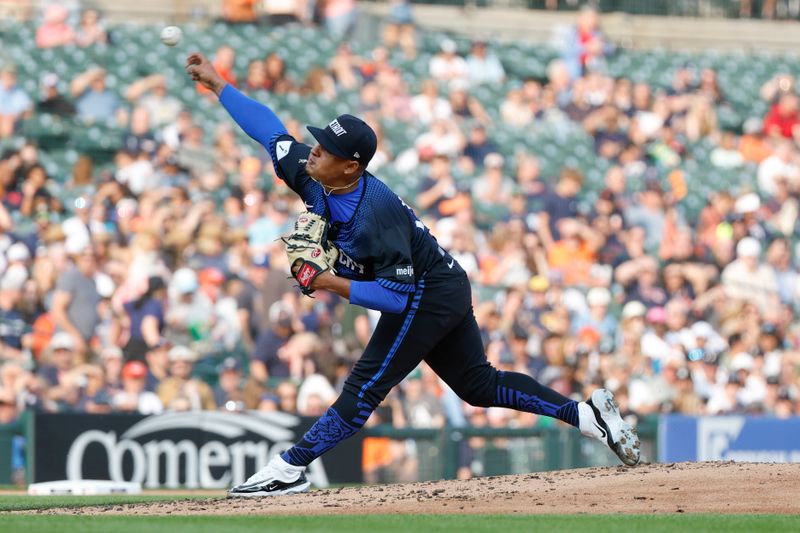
(661, 488)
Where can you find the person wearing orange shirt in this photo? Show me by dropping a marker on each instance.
(224, 61)
(575, 252)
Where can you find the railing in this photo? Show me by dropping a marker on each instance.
(439, 453)
(8, 434)
(675, 8)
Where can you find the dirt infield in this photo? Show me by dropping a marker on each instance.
(653, 488)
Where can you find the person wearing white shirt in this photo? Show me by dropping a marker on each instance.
(483, 67)
(447, 65)
(779, 165)
(428, 105)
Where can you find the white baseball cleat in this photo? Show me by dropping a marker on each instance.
(275, 479)
(599, 419)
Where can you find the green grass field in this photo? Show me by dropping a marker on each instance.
(21, 502)
(358, 524)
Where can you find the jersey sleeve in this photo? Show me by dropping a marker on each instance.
(394, 267)
(289, 159)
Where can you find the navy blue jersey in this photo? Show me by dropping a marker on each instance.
(384, 240)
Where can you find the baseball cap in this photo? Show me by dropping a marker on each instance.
(181, 353)
(448, 45)
(111, 352)
(18, 252)
(134, 370)
(742, 361)
(747, 203)
(14, 278)
(748, 247)
(598, 296)
(50, 79)
(104, 284)
(538, 284)
(493, 160)
(230, 364)
(347, 137)
(656, 315)
(62, 341)
(633, 309)
(185, 280)
(703, 330)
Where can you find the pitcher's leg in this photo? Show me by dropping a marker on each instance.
(395, 349)
(459, 359)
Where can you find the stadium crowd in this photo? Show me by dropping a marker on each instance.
(156, 283)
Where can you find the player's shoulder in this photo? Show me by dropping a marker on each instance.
(383, 198)
(284, 144)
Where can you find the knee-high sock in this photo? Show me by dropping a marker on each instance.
(342, 419)
(523, 393)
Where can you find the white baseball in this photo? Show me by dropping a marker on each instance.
(171, 35)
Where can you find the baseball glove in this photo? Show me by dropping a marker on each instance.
(309, 250)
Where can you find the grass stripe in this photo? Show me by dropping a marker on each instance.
(402, 523)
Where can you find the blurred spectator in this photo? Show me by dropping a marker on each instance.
(514, 110)
(14, 102)
(12, 321)
(189, 310)
(239, 11)
(447, 65)
(428, 105)
(54, 30)
(747, 279)
(139, 137)
(278, 80)
(782, 164)
(483, 66)
(438, 190)
(559, 203)
(420, 407)
(586, 46)
(493, 186)
(339, 17)
(52, 100)
(224, 62)
(783, 117)
(150, 93)
(94, 101)
(318, 83)
(399, 28)
(443, 138)
(269, 357)
(180, 391)
(91, 30)
(464, 106)
(75, 300)
(256, 77)
(133, 397)
(479, 146)
(145, 317)
(228, 394)
(59, 362)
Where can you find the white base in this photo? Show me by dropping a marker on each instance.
(84, 487)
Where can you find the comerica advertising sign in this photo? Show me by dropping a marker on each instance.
(206, 450)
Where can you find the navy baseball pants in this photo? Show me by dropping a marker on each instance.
(438, 327)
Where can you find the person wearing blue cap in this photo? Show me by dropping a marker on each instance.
(377, 254)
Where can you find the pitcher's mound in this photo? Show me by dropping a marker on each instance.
(712, 487)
